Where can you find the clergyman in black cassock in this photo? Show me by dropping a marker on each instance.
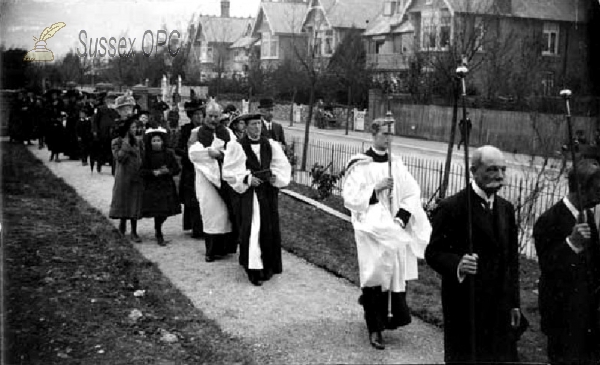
(256, 167)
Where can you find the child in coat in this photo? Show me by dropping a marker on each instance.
(159, 165)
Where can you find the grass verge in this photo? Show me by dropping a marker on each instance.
(328, 242)
(69, 282)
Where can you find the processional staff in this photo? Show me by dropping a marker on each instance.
(461, 73)
(566, 94)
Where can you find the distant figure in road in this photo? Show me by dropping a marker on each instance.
(256, 167)
(389, 239)
(493, 266)
(569, 258)
(159, 165)
(103, 123)
(269, 128)
(126, 201)
(464, 133)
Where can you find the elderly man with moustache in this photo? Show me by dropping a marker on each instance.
(493, 266)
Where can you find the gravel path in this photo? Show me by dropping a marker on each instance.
(306, 315)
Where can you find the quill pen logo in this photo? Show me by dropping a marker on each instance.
(40, 53)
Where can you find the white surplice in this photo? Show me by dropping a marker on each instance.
(235, 172)
(387, 253)
(215, 217)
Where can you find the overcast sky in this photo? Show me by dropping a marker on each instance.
(21, 20)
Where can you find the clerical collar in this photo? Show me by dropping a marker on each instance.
(253, 141)
(480, 193)
(377, 156)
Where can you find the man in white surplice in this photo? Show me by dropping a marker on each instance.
(256, 167)
(207, 145)
(388, 240)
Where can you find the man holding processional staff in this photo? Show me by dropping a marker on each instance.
(391, 231)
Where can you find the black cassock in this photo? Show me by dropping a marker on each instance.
(239, 160)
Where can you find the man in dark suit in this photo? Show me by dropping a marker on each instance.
(569, 258)
(270, 129)
(493, 266)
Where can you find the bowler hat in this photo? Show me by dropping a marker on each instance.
(193, 106)
(265, 103)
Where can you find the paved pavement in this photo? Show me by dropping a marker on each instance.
(306, 315)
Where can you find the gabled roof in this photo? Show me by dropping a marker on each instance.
(221, 30)
(551, 10)
(282, 18)
(350, 13)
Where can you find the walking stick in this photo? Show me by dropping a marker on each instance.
(566, 94)
(461, 73)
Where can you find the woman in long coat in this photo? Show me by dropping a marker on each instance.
(127, 190)
(158, 168)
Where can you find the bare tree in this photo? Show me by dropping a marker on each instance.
(471, 36)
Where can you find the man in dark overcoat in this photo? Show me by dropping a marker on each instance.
(270, 129)
(103, 124)
(493, 266)
(195, 110)
(568, 250)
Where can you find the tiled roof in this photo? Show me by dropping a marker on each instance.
(351, 13)
(222, 30)
(284, 17)
(561, 10)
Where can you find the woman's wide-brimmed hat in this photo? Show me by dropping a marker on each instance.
(124, 100)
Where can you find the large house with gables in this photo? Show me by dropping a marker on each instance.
(327, 22)
(510, 45)
(209, 49)
(278, 27)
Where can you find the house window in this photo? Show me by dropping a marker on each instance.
(328, 50)
(269, 47)
(317, 47)
(206, 54)
(389, 8)
(550, 38)
(436, 30)
(548, 83)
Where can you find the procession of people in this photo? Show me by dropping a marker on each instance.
(231, 167)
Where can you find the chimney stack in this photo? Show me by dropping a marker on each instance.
(224, 8)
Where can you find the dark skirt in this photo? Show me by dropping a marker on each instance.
(160, 198)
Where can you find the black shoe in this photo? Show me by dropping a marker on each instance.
(160, 240)
(256, 282)
(197, 235)
(376, 340)
(135, 238)
(209, 258)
